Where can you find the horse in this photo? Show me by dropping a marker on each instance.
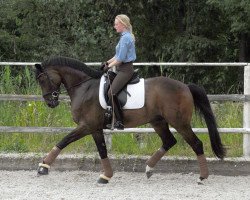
(168, 102)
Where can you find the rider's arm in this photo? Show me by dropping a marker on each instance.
(113, 62)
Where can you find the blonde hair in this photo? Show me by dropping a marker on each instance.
(124, 19)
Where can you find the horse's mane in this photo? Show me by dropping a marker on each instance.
(72, 63)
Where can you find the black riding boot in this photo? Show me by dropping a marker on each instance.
(108, 113)
(118, 114)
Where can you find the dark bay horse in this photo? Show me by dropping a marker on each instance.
(167, 102)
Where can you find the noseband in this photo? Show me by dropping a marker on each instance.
(54, 94)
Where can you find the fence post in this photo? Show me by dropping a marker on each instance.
(108, 141)
(246, 112)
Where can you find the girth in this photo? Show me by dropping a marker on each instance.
(122, 95)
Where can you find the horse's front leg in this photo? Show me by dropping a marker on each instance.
(102, 149)
(76, 134)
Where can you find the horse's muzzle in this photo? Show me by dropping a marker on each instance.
(52, 103)
(51, 99)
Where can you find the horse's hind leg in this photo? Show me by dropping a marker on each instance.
(168, 141)
(197, 146)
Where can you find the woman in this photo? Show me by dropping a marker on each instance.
(124, 57)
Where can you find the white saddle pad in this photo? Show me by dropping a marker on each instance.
(135, 101)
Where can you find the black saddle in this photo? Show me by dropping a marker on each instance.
(122, 95)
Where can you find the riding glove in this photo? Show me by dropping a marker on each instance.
(103, 65)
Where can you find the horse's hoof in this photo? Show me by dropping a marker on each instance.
(149, 171)
(43, 169)
(201, 181)
(149, 174)
(103, 179)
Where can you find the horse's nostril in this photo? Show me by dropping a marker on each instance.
(56, 103)
(53, 104)
(50, 105)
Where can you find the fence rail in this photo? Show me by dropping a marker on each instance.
(65, 98)
(235, 97)
(140, 64)
(55, 130)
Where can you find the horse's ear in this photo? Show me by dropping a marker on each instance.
(39, 67)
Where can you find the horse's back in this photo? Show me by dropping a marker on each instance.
(165, 84)
(168, 96)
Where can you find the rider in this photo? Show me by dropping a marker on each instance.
(124, 57)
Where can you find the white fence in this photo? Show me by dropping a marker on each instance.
(236, 97)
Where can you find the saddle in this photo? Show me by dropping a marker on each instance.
(122, 95)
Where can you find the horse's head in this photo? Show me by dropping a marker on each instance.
(50, 82)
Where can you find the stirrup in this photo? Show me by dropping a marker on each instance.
(109, 126)
(108, 112)
(119, 125)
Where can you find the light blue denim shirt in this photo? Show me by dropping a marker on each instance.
(125, 49)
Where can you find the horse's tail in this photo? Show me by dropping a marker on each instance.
(202, 104)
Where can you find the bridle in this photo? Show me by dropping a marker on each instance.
(55, 92)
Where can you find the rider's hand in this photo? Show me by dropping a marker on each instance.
(103, 65)
(106, 68)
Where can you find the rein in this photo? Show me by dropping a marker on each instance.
(55, 94)
(69, 88)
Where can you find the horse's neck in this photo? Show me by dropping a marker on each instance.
(76, 82)
(72, 78)
(84, 92)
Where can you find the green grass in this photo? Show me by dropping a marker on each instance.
(13, 113)
(38, 114)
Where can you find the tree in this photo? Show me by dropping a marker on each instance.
(238, 13)
(165, 30)
(44, 28)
